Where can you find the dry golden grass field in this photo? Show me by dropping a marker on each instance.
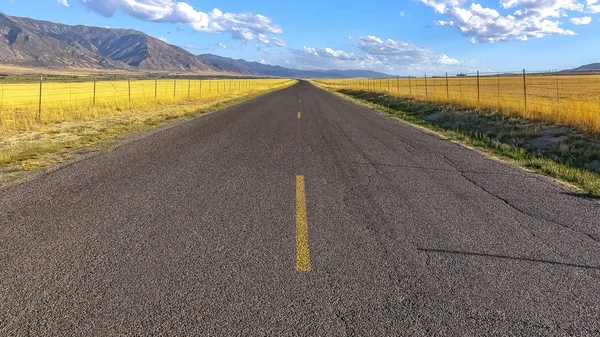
(70, 123)
(558, 99)
(30, 106)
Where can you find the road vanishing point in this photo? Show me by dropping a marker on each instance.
(297, 213)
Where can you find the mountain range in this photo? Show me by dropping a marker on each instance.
(33, 43)
(260, 69)
(594, 67)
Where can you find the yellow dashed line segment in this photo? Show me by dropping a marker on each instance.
(302, 250)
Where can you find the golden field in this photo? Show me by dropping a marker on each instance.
(21, 108)
(71, 125)
(558, 99)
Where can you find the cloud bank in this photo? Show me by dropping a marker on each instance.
(523, 19)
(241, 26)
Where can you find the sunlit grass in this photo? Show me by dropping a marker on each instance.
(32, 144)
(566, 100)
(20, 108)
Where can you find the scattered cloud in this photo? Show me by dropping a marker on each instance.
(241, 26)
(221, 45)
(278, 42)
(64, 3)
(194, 47)
(163, 39)
(374, 53)
(586, 20)
(511, 19)
(402, 13)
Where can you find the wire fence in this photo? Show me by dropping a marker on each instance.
(553, 97)
(23, 104)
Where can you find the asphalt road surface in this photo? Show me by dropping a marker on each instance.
(297, 213)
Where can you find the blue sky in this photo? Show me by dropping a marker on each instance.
(397, 37)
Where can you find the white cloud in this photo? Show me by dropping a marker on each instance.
(376, 54)
(242, 26)
(278, 42)
(402, 13)
(64, 3)
(221, 45)
(511, 19)
(592, 7)
(163, 39)
(586, 20)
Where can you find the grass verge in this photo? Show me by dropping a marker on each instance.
(566, 153)
(23, 153)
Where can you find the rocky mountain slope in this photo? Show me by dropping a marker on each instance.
(34, 43)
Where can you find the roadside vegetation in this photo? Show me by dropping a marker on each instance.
(32, 106)
(568, 153)
(67, 131)
(557, 99)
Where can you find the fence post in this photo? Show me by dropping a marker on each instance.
(200, 88)
(155, 89)
(189, 83)
(525, 89)
(398, 83)
(426, 93)
(409, 86)
(40, 100)
(388, 88)
(498, 81)
(129, 88)
(478, 91)
(94, 100)
(447, 87)
(175, 88)
(557, 92)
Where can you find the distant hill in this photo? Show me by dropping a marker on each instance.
(588, 67)
(256, 68)
(34, 43)
(31, 43)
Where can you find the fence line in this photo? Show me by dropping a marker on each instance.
(48, 100)
(553, 97)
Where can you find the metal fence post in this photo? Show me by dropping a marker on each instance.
(94, 99)
(525, 89)
(447, 87)
(478, 91)
(40, 100)
(200, 88)
(557, 92)
(426, 93)
(498, 80)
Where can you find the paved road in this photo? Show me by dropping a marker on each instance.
(197, 230)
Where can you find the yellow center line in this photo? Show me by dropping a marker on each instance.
(299, 114)
(302, 251)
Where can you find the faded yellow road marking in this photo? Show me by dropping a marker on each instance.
(299, 114)
(302, 251)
